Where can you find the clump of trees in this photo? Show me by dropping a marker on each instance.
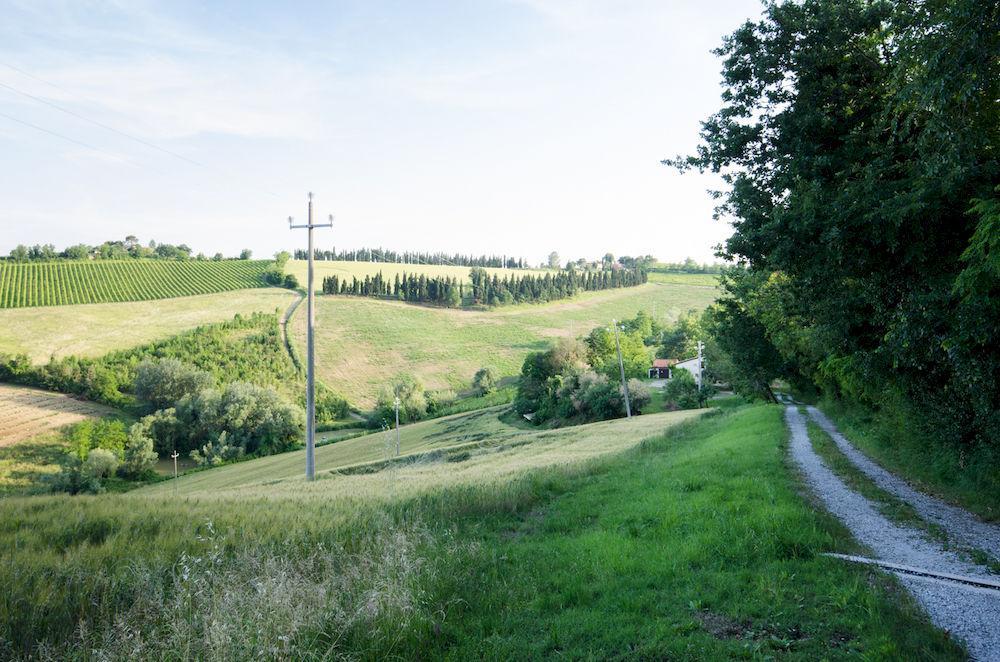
(493, 290)
(410, 257)
(577, 382)
(485, 380)
(99, 451)
(440, 290)
(869, 133)
(129, 248)
(412, 402)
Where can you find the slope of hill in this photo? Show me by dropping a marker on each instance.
(691, 545)
(362, 343)
(91, 330)
(102, 281)
(478, 446)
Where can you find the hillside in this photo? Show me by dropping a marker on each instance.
(362, 343)
(91, 330)
(580, 543)
(24, 284)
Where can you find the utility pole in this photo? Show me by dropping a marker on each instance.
(621, 366)
(397, 426)
(310, 349)
(701, 346)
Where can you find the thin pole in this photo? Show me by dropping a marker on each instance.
(310, 348)
(621, 366)
(397, 427)
(175, 455)
(310, 362)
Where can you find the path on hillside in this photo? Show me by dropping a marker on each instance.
(283, 322)
(959, 524)
(970, 613)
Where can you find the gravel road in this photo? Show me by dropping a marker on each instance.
(971, 614)
(960, 525)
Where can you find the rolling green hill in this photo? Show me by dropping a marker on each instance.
(24, 284)
(362, 343)
(94, 329)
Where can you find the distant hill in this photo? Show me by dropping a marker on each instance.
(26, 284)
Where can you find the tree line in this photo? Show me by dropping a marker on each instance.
(415, 257)
(861, 147)
(484, 289)
(129, 248)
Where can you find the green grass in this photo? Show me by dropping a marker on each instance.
(60, 283)
(499, 449)
(694, 545)
(967, 477)
(93, 330)
(362, 343)
(25, 465)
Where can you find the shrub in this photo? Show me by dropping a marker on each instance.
(71, 477)
(485, 381)
(638, 395)
(217, 452)
(412, 401)
(290, 282)
(162, 383)
(139, 454)
(681, 391)
(330, 407)
(100, 463)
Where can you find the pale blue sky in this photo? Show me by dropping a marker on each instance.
(516, 127)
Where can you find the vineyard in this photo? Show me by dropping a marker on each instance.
(105, 281)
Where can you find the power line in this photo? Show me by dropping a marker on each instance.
(67, 138)
(125, 134)
(102, 125)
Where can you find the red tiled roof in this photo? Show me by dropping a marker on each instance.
(664, 363)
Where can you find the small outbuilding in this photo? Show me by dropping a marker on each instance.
(661, 368)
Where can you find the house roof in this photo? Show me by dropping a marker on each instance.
(664, 363)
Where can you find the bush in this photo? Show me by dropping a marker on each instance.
(681, 391)
(216, 452)
(72, 479)
(106, 434)
(485, 381)
(100, 463)
(330, 407)
(412, 402)
(139, 454)
(162, 383)
(290, 282)
(638, 395)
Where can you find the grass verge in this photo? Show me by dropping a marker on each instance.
(966, 477)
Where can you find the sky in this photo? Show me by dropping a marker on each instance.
(514, 127)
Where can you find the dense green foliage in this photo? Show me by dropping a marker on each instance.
(485, 380)
(861, 145)
(696, 546)
(409, 392)
(484, 289)
(103, 281)
(130, 248)
(225, 424)
(493, 290)
(246, 349)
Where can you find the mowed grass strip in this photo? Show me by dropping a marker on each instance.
(93, 330)
(362, 343)
(26, 284)
(695, 545)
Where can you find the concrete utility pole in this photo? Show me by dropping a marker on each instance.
(310, 349)
(621, 366)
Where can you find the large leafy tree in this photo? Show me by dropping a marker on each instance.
(860, 145)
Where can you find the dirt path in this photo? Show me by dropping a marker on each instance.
(960, 525)
(970, 613)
